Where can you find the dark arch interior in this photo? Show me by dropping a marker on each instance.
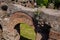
(12, 0)
(15, 0)
(24, 38)
(1, 32)
(4, 7)
(0, 27)
(17, 27)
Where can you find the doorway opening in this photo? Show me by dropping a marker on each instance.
(25, 31)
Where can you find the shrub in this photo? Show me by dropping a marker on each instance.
(42, 2)
(47, 2)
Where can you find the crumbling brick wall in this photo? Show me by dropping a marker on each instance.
(9, 23)
(46, 27)
(9, 20)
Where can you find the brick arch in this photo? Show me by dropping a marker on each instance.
(21, 20)
(20, 17)
(20, 14)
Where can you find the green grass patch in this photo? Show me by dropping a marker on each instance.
(27, 31)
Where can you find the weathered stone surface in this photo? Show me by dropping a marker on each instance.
(46, 25)
(8, 24)
(10, 18)
(51, 18)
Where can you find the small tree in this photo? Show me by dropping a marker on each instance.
(42, 2)
(57, 3)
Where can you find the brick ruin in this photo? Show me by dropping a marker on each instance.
(8, 22)
(46, 26)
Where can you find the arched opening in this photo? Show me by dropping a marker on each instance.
(0, 27)
(12, 0)
(24, 27)
(17, 27)
(25, 31)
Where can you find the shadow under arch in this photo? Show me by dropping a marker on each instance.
(0, 26)
(17, 27)
(1, 31)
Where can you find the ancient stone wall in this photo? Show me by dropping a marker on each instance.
(46, 25)
(52, 24)
(8, 20)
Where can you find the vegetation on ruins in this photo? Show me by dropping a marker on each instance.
(27, 32)
(28, 20)
(42, 2)
(47, 2)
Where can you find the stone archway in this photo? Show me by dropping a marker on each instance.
(15, 18)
